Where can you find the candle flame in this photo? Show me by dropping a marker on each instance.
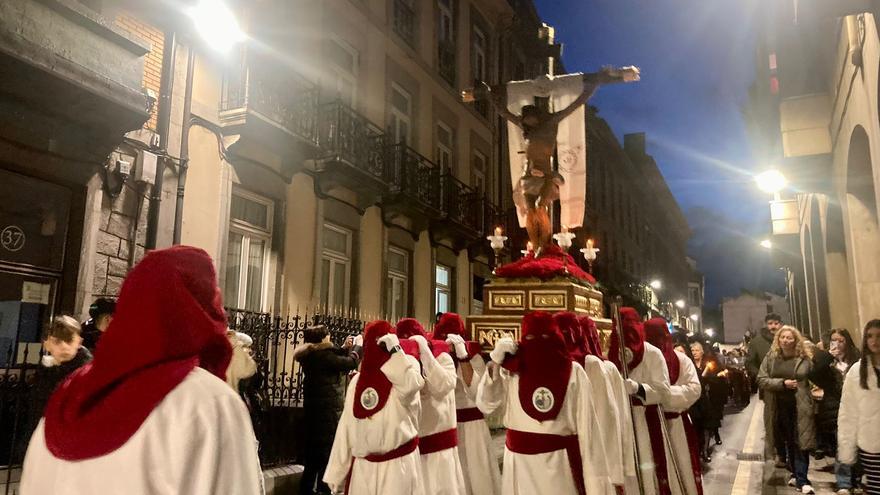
(498, 231)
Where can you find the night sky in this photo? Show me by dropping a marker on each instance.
(697, 61)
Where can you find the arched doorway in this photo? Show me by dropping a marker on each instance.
(863, 234)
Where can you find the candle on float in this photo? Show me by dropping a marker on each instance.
(564, 229)
(589, 244)
(497, 231)
(529, 246)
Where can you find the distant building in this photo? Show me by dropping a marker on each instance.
(746, 313)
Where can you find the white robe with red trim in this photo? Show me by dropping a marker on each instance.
(198, 440)
(682, 395)
(608, 417)
(652, 374)
(478, 463)
(441, 470)
(386, 430)
(548, 473)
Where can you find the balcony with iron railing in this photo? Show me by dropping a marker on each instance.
(414, 183)
(404, 21)
(463, 220)
(277, 109)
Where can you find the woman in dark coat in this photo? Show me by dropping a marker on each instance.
(708, 411)
(326, 369)
(829, 370)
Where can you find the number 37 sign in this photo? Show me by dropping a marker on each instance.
(12, 238)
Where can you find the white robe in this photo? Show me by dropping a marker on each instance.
(625, 437)
(681, 397)
(608, 417)
(441, 470)
(652, 374)
(386, 430)
(548, 473)
(198, 440)
(479, 466)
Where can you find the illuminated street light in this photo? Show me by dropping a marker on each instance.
(680, 304)
(656, 284)
(695, 317)
(771, 181)
(216, 24)
(767, 244)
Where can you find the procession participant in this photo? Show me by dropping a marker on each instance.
(375, 448)
(625, 436)
(438, 439)
(647, 385)
(478, 465)
(152, 408)
(551, 423)
(603, 394)
(684, 391)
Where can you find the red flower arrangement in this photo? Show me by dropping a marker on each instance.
(552, 263)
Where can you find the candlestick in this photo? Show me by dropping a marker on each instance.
(497, 243)
(590, 254)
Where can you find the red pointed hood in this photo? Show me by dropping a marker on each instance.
(543, 365)
(592, 345)
(657, 334)
(409, 327)
(371, 379)
(571, 332)
(634, 339)
(451, 323)
(168, 320)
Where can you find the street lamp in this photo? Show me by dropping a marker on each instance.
(680, 304)
(216, 24)
(771, 181)
(656, 284)
(767, 244)
(695, 317)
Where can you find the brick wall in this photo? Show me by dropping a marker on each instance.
(153, 60)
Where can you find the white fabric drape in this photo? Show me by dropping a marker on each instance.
(570, 140)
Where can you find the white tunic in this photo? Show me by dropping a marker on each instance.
(681, 397)
(388, 429)
(548, 473)
(478, 464)
(625, 437)
(652, 374)
(608, 417)
(441, 470)
(198, 440)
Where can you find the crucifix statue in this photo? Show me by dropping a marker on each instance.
(535, 134)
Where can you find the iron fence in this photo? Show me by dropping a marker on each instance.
(274, 395)
(17, 422)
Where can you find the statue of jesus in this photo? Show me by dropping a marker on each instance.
(540, 183)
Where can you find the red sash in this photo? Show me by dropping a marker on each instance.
(405, 449)
(528, 443)
(438, 441)
(468, 414)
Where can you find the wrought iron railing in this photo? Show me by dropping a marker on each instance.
(404, 21)
(287, 99)
(274, 395)
(409, 173)
(461, 203)
(17, 420)
(349, 136)
(446, 61)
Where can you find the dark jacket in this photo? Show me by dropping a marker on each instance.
(47, 380)
(90, 334)
(825, 376)
(758, 348)
(806, 425)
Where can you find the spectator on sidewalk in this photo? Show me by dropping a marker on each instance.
(858, 429)
(788, 405)
(66, 354)
(100, 316)
(829, 370)
(326, 369)
(708, 411)
(151, 413)
(759, 345)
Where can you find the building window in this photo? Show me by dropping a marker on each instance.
(444, 147)
(343, 68)
(479, 51)
(445, 32)
(405, 20)
(401, 115)
(693, 296)
(247, 251)
(478, 172)
(335, 266)
(397, 283)
(446, 41)
(442, 289)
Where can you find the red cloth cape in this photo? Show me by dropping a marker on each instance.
(169, 319)
(571, 332)
(657, 334)
(371, 375)
(541, 361)
(592, 346)
(634, 339)
(409, 327)
(452, 323)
